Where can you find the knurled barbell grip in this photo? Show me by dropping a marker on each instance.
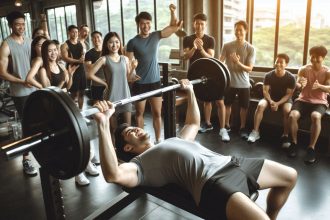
(94, 110)
(23, 145)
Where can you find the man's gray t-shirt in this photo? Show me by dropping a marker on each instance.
(239, 78)
(185, 163)
(19, 65)
(145, 51)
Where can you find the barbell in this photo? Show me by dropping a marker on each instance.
(56, 131)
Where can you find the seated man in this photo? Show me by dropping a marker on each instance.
(220, 185)
(314, 82)
(277, 90)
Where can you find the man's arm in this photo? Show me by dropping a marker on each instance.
(265, 92)
(301, 80)
(288, 95)
(174, 25)
(124, 174)
(66, 57)
(4, 60)
(192, 123)
(326, 86)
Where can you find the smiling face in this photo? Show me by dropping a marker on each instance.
(144, 27)
(280, 64)
(52, 52)
(199, 26)
(137, 140)
(18, 27)
(114, 44)
(316, 60)
(97, 40)
(240, 32)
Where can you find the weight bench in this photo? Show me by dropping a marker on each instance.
(170, 193)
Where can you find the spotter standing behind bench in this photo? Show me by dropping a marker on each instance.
(220, 185)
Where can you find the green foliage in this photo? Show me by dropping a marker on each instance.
(291, 41)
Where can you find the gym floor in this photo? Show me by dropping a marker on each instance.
(21, 196)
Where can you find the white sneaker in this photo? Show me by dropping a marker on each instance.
(91, 169)
(254, 135)
(81, 180)
(224, 135)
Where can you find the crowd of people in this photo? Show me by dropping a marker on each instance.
(114, 72)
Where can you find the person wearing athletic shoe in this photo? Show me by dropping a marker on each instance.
(144, 48)
(201, 45)
(278, 88)
(220, 185)
(239, 56)
(314, 82)
(15, 54)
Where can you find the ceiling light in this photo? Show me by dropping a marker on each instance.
(18, 3)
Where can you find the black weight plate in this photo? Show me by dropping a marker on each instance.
(45, 111)
(216, 84)
(225, 69)
(82, 129)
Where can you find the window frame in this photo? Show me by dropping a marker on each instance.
(249, 19)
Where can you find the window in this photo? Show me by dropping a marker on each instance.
(233, 11)
(166, 44)
(5, 31)
(264, 22)
(320, 27)
(121, 14)
(59, 19)
(292, 30)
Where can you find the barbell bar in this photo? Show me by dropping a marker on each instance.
(56, 131)
(125, 101)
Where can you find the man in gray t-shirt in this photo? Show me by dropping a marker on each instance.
(239, 56)
(220, 185)
(144, 48)
(15, 52)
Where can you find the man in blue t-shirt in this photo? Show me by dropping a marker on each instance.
(144, 48)
(278, 88)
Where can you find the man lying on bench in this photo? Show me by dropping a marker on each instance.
(220, 185)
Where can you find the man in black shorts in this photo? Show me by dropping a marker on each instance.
(314, 82)
(91, 57)
(200, 45)
(220, 185)
(72, 52)
(144, 48)
(278, 88)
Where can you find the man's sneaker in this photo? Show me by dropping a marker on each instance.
(254, 136)
(95, 160)
(310, 156)
(285, 142)
(292, 150)
(91, 169)
(28, 168)
(81, 180)
(205, 127)
(224, 135)
(243, 133)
